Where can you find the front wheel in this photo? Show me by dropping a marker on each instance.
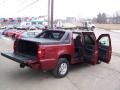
(99, 62)
(62, 68)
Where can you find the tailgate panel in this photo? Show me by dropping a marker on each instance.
(16, 57)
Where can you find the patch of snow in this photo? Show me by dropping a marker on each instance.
(115, 30)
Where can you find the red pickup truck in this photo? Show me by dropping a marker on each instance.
(56, 50)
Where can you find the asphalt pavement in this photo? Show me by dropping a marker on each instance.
(81, 76)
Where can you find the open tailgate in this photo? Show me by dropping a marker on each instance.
(16, 57)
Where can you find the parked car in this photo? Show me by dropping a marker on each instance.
(7, 29)
(20, 30)
(5, 32)
(12, 33)
(28, 34)
(2, 30)
(56, 50)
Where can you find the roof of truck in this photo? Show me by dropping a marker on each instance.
(82, 31)
(76, 30)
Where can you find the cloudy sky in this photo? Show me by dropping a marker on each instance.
(62, 8)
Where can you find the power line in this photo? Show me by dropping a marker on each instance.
(2, 2)
(27, 6)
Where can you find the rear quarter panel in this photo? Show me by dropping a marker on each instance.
(53, 53)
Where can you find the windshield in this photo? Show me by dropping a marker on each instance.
(55, 35)
(28, 35)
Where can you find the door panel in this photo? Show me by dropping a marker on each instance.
(90, 48)
(78, 46)
(104, 48)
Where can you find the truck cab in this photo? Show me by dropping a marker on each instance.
(56, 50)
(93, 50)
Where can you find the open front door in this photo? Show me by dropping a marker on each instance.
(104, 48)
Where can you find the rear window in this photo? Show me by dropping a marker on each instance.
(55, 35)
(76, 34)
(89, 39)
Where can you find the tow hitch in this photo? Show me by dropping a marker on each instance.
(22, 65)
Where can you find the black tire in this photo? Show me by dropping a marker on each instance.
(99, 62)
(56, 71)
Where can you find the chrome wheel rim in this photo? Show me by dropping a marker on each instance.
(63, 68)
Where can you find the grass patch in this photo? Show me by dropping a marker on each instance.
(108, 26)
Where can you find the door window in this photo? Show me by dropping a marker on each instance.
(89, 40)
(67, 39)
(104, 41)
(105, 49)
(76, 34)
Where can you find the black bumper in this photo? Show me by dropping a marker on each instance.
(16, 57)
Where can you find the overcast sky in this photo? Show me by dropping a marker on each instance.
(62, 8)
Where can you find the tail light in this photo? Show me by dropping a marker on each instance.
(41, 53)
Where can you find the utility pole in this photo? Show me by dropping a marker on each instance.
(50, 13)
(52, 7)
(49, 3)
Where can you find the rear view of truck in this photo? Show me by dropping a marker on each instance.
(25, 52)
(47, 52)
(30, 51)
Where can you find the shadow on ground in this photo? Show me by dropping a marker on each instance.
(29, 74)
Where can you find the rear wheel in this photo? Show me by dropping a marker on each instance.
(62, 68)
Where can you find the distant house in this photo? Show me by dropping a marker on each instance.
(71, 19)
(24, 21)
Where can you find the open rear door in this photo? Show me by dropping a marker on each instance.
(90, 48)
(104, 48)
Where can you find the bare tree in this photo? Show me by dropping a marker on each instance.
(101, 18)
(104, 18)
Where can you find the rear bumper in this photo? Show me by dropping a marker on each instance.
(17, 58)
(47, 64)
